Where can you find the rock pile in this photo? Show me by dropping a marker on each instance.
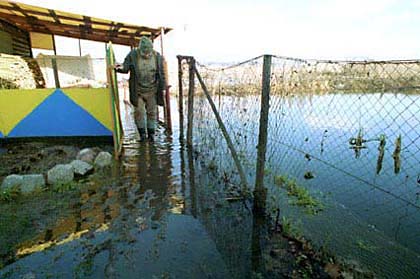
(87, 161)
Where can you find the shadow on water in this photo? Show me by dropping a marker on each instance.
(155, 217)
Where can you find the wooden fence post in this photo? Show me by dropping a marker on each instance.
(191, 90)
(260, 192)
(180, 99)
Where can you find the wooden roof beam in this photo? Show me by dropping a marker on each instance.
(18, 9)
(82, 20)
(54, 15)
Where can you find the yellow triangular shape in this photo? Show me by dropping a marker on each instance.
(16, 104)
(95, 101)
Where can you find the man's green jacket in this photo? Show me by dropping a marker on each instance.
(131, 65)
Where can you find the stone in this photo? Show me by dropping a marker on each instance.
(60, 174)
(29, 275)
(87, 155)
(32, 182)
(11, 181)
(103, 159)
(81, 168)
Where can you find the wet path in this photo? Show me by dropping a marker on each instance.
(151, 220)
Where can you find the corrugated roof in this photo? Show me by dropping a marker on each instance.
(48, 21)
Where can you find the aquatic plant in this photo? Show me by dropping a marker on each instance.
(365, 246)
(302, 195)
(396, 155)
(279, 180)
(289, 229)
(381, 148)
(308, 175)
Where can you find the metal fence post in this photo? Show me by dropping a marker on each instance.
(180, 99)
(191, 89)
(260, 192)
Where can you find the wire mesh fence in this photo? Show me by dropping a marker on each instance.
(343, 151)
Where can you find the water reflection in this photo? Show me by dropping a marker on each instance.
(155, 218)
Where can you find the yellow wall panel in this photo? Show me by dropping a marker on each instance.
(96, 101)
(16, 104)
(42, 41)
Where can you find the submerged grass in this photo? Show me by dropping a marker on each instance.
(302, 196)
(25, 218)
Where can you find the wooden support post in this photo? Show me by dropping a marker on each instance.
(192, 186)
(55, 70)
(162, 34)
(54, 47)
(54, 64)
(191, 89)
(260, 192)
(224, 131)
(168, 109)
(80, 48)
(167, 99)
(180, 99)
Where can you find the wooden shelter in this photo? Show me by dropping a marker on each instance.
(40, 21)
(63, 112)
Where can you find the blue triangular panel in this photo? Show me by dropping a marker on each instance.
(59, 116)
(1, 135)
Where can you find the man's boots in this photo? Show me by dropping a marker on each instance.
(151, 134)
(142, 133)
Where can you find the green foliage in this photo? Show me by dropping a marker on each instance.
(289, 229)
(267, 171)
(280, 180)
(65, 187)
(365, 246)
(302, 196)
(10, 194)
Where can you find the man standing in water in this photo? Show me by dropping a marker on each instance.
(146, 84)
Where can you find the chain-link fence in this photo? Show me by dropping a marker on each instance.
(343, 150)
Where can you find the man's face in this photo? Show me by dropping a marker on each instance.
(146, 48)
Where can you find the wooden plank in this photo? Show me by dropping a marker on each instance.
(114, 100)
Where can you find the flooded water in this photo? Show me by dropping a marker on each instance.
(163, 214)
(149, 220)
(364, 203)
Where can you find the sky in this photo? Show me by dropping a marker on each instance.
(234, 30)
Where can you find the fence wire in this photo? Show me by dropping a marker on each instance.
(343, 151)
